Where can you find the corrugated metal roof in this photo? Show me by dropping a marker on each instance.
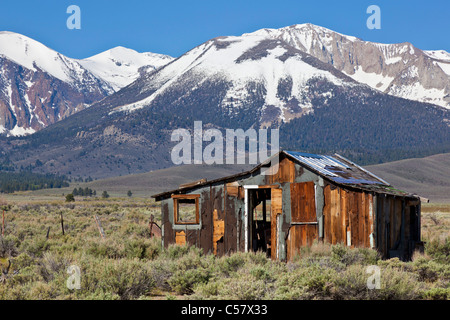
(339, 170)
(336, 168)
(320, 163)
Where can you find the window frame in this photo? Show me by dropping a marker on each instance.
(176, 198)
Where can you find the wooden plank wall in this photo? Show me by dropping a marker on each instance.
(232, 219)
(303, 230)
(219, 222)
(286, 172)
(348, 217)
(169, 236)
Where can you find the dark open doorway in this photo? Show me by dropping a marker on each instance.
(260, 224)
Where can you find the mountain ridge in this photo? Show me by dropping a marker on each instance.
(229, 83)
(398, 69)
(40, 86)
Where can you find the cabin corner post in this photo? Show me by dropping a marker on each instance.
(402, 230)
(320, 203)
(419, 218)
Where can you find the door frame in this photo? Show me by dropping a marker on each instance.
(247, 214)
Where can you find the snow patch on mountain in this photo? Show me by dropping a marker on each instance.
(20, 131)
(445, 67)
(417, 92)
(120, 66)
(374, 80)
(438, 54)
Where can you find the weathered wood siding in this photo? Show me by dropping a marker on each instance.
(348, 217)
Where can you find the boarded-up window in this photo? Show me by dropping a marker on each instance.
(185, 209)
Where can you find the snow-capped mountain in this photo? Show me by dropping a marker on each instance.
(399, 69)
(250, 81)
(121, 66)
(39, 86)
(245, 71)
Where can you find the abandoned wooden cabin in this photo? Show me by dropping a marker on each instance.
(309, 198)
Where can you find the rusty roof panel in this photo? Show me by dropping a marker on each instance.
(338, 170)
(320, 163)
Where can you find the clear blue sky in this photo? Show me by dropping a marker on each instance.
(173, 27)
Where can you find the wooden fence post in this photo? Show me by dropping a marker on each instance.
(99, 225)
(3, 223)
(62, 223)
(151, 224)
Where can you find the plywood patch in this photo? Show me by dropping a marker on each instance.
(218, 230)
(180, 237)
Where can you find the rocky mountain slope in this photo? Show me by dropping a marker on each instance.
(399, 69)
(39, 86)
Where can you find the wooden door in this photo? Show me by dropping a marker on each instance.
(303, 230)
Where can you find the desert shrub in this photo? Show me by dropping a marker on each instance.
(317, 250)
(289, 287)
(349, 256)
(317, 280)
(174, 251)
(183, 281)
(242, 286)
(395, 263)
(161, 270)
(257, 258)
(439, 250)
(394, 285)
(301, 281)
(41, 291)
(398, 285)
(436, 294)
(23, 260)
(142, 248)
(130, 265)
(108, 248)
(430, 270)
(128, 279)
(209, 290)
(261, 273)
(192, 268)
(35, 246)
(52, 264)
(229, 264)
(8, 246)
(99, 294)
(139, 230)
